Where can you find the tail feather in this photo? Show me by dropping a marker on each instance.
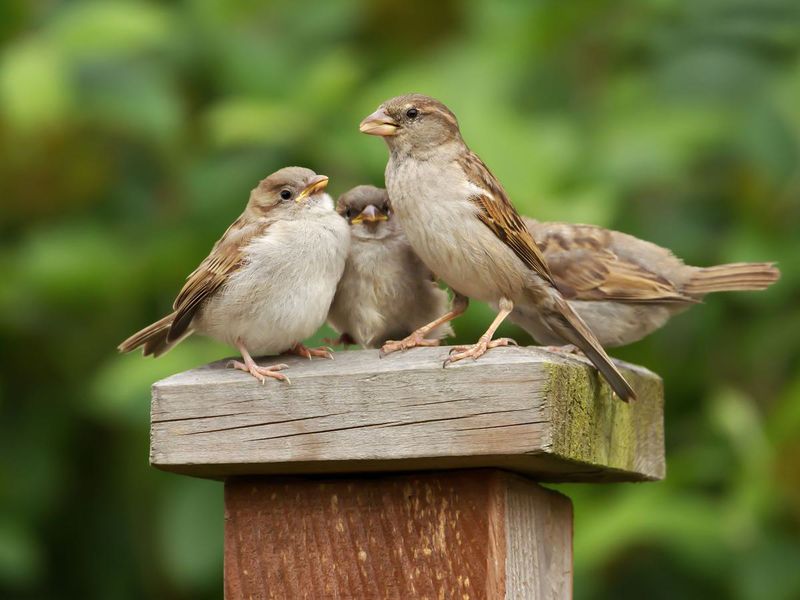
(732, 277)
(579, 334)
(152, 339)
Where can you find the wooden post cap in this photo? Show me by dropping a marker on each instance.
(520, 409)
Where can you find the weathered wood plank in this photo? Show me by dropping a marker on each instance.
(459, 534)
(523, 409)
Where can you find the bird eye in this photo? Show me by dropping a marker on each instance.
(286, 194)
(412, 113)
(385, 209)
(349, 213)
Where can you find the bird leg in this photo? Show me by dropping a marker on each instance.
(250, 366)
(343, 340)
(417, 338)
(485, 342)
(301, 350)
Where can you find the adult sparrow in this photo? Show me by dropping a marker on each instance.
(625, 288)
(463, 226)
(386, 292)
(268, 282)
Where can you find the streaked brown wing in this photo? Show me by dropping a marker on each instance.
(585, 267)
(225, 258)
(499, 215)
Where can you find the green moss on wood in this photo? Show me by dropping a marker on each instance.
(596, 427)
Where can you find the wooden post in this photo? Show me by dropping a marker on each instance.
(370, 478)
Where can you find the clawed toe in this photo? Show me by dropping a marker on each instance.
(261, 373)
(565, 349)
(411, 341)
(475, 351)
(301, 350)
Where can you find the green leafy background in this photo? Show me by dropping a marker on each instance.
(131, 133)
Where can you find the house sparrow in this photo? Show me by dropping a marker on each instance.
(386, 292)
(462, 225)
(625, 288)
(268, 282)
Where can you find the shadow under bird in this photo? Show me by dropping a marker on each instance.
(268, 282)
(625, 288)
(461, 223)
(386, 292)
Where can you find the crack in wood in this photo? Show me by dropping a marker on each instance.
(480, 414)
(249, 425)
(501, 426)
(288, 435)
(441, 402)
(177, 419)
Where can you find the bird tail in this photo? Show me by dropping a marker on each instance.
(732, 277)
(152, 338)
(578, 333)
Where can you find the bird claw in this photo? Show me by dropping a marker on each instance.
(565, 349)
(343, 340)
(476, 350)
(261, 373)
(320, 352)
(411, 341)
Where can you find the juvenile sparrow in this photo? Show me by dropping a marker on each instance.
(625, 288)
(463, 226)
(268, 282)
(386, 292)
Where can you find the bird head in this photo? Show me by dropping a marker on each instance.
(290, 191)
(368, 211)
(412, 122)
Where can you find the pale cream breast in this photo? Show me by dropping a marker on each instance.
(281, 295)
(431, 200)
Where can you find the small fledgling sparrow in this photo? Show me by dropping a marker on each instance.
(386, 292)
(625, 288)
(268, 282)
(463, 226)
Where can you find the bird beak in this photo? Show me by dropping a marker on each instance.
(316, 184)
(379, 123)
(370, 215)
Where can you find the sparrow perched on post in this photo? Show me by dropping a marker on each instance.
(386, 292)
(463, 226)
(268, 282)
(625, 288)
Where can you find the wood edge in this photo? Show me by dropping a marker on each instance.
(579, 404)
(517, 487)
(539, 355)
(557, 472)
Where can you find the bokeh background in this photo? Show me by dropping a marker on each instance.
(130, 136)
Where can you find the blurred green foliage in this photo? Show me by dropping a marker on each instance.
(131, 133)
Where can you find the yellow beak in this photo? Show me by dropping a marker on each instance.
(316, 184)
(370, 215)
(379, 123)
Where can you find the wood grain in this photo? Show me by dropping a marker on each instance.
(522, 409)
(463, 534)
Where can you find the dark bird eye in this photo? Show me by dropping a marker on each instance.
(286, 194)
(385, 209)
(412, 113)
(349, 213)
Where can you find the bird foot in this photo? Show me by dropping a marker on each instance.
(476, 350)
(301, 350)
(261, 373)
(411, 341)
(565, 349)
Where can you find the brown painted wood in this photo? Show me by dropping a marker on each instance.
(457, 534)
(520, 409)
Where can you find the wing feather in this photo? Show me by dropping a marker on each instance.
(225, 258)
(499, 215)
